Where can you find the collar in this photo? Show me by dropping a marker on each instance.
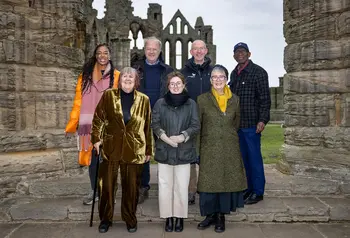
(246, 68)
(147, 62)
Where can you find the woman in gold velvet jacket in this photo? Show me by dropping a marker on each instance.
(122, 125)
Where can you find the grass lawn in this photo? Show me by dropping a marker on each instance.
(271, 143)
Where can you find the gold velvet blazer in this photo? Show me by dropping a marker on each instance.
(129, 143)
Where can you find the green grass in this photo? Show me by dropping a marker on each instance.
(271, 143)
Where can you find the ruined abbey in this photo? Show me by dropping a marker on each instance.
(43, 45)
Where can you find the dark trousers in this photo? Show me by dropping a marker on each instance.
(210, 203)
(92, 169)
(250, 145)
(146, 175)
(130, 181)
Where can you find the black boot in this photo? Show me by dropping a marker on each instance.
(179, 224)
(207, 222)
(220, 223)
(104, 225)
(169, 224)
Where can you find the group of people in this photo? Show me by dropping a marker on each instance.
(196, 116)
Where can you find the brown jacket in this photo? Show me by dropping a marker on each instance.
(130, 143)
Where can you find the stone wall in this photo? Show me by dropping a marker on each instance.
(41, 51)
(317, 88)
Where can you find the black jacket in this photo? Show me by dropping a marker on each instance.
(197, 77)
(172, 121)
(252, 88)
(140, 67)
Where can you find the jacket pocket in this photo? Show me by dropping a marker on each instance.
(187, 155)
(161, 154)
(108, 144)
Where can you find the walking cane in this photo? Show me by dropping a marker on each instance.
(95, 186)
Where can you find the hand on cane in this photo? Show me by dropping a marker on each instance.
(97, 147)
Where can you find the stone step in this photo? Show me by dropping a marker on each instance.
(271, 209)
(277, 184)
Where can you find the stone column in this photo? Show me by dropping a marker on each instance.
(317, 88)
(41, 53)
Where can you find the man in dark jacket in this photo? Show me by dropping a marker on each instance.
(153, 82)
(197, 74)
(250, 82)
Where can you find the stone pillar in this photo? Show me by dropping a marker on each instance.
(41, 53)
(120, 53)
(317, 88)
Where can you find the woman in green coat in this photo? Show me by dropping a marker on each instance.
(221, 171)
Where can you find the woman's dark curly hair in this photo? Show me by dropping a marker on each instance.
(89, 67)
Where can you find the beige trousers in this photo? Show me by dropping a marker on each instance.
(193, 179)
(173, 183)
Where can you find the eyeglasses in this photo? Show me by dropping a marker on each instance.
(218, 77)
(173, 85)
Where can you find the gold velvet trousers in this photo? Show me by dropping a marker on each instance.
(107, 183)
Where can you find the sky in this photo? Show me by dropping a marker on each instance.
(259, 23)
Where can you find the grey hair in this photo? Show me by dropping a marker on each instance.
(219, 68)
(152, 38)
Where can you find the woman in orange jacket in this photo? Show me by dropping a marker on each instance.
(98, 75)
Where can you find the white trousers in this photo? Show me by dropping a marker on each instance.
(173, 183)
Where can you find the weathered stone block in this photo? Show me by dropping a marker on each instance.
(334, 230)
(322, 81)
(317, 55)
(267, 206)
(317, 155)
(78, 186)
(345, 188)
(30, 162)
(344, 24)
(307, 29)
(70, 158)
(42, 210)
(304, 206)
(35, 140)
(339, 208)
(311, 186)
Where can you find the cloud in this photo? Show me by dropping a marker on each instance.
(259, 23)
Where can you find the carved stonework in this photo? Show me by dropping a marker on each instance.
(317, 87)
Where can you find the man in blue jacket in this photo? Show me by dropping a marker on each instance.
(153, 82)
(197, 74)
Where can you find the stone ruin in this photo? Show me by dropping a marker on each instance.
(43, 47)
(317, 88)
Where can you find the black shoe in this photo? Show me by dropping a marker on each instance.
(207, 222)
(104, 225)
(169, 224)
(220, 223)
(143, 194)
(132, 229)
(253, 198)
(179, 224)
(246, 195)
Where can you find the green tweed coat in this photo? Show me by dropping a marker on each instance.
(221, 167)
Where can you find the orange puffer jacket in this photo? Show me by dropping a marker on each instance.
(72, 125)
